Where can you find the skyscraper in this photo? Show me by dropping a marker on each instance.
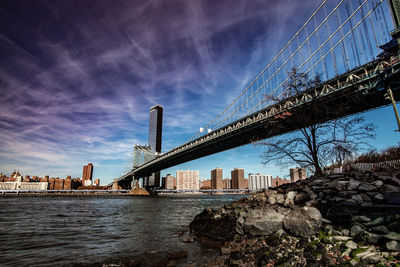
(297, 174)
(87, 173)
(155, 136)
(227, 183)
(259, 181)
(187, 180)
(170, 182)
(216, 179)
(237, 178)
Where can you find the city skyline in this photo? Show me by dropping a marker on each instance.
(78, 83)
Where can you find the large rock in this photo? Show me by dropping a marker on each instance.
(353, 184)
(280, 198)
(357, 198)
(356, 230)
(377, 183)
(338, 185)
(387, 188)
(367, 187)
(376, 221)
(263, 222)
(361, 218)
(372, 238)
(218, 227)
(393, 181)
(303, 221)
(381, 229)
(289, 200)
(393, 236)
(393, 245)
(301, 198)
(369, 256)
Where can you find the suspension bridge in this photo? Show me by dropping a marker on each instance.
(350, 46)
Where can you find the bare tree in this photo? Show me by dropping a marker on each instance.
(317, 145)
(350, 136)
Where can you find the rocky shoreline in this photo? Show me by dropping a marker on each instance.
(344, 219)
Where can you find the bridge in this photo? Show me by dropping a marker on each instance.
(350, 46)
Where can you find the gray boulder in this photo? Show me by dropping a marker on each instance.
(301, 198)
(376, 221)
(263, 222)
(361, 218)
(356, 230)
(381, 229)
(393, 236)
(372, 238)
(379, 196)
(289, 200)
(280, 198)
(357, 198)
(387, 188)
(367, 187)
(369, 256)
(353, 184)
(393, 245)
(377, 183)
(303, 222)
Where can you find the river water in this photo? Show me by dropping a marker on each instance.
(76, 230)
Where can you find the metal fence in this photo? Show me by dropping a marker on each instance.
(393, 164)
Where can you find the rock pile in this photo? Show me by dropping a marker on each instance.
(351, 218)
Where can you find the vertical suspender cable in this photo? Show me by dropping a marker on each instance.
(352, 49)
(344, 54)
(330, 43)
(309, 49)
(354, 40)
(362, 45)
(325, 69)
(300, 53)
(343, 45)
(373, 29)
(378, 18)
(387, 34)
(367, 33)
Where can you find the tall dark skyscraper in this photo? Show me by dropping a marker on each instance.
(87, 173)
(155, 136)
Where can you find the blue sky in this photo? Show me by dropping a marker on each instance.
(77, 78)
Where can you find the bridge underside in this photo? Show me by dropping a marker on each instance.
(358, 96)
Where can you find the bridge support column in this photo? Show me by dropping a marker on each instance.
(390, 97)
(145, 182)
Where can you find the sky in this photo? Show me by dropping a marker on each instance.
(78, 77)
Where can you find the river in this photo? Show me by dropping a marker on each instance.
(83, 230)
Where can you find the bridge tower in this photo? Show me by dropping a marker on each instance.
(141, 155)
